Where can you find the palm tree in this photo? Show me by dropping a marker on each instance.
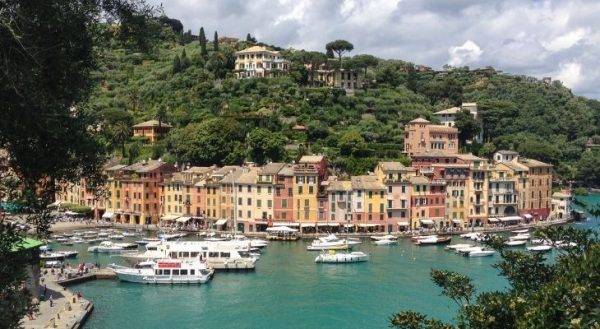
(121, 133)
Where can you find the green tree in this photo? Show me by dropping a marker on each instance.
(365, 61)
(352, 143)
(176, 67)
(588, 169)
(121, 133)
(468, 126)
(250, 38)
(184, 60)
(202, 41)
(216, 42)
(542, 294)
(339, 47)
(47, 55)
(265, 145)
(133, 152)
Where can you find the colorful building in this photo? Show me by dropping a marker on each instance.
(421, 136)
(259, 62)
(395, 177)
(152, 130)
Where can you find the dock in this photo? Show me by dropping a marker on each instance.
(99, 274)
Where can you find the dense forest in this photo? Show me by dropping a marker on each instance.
(187, 80)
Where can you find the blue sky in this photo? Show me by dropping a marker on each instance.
(560, 39)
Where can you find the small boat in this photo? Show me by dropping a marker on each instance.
(384, 237)
(421, 237)
(471, 236)
(128, 234)
(561, 244)
(166, 271)
(521, 236)
(385, 242)
(458, 246)
(542, 248)
(78, 240)
(467, 250)
(435, 240)
(116, 237)
(521, 231)
(142, 242)
(93, 240)
(106, 247)
(342, 257)
(103, 234)
(480, 253)
(58, 255)
(515, 243)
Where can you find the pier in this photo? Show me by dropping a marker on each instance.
(98, 274)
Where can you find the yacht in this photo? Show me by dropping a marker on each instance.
(58, 255)
(521, 231)
(383, 237)
(226, 255)
(434, 240)
(166, 271)
(470, 236)
(385, 242)
(331, 242)
(458, 246)
(341, 257)
(421, 237)
(542, 248)
(111, 247)
(254, 243)
(128, 234)
(515, 243)
(521, 236)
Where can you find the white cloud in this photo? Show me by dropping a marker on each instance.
(565, 41)
(570, 74)
(469, 52)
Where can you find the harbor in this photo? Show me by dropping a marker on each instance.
(309, 294)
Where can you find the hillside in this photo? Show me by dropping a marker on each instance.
(219, 119)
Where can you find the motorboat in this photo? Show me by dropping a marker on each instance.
(282, 233)
(111, 247)
(227, 255)
(515, 243)
(421, 237)
(563, 244)
(58, 255)
(254, 243)
(470, 236)
(116, 236)
(457, 246)
(93, 240)
(128, 234)
(521, 231)
(520, 236)
(434, 240)
(467, 250)
(320, 245)
(171, 236)
(385, 242)
(383, 237)
(541, 248)
(167, 271)
(78, 240)
(480, 253)
(342, 257)
(103, 234)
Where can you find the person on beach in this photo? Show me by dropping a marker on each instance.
(51, 300)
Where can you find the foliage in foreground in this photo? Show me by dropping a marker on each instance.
(564, 293)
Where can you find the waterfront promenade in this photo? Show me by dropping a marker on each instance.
(60, 309)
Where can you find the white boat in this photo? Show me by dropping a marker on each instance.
(422, 237)
(458, 246)
(471, 235)
(467, 250)
(116, 237)
(542, 248)
(331, 242)
(539, 241)
(167, 271)
(384, 237)
(254, 243)
(521, 236)
(434, 240)
(93, 240)
(480, 253)
(521, 231)
(561, 244)
(78, 240)
(228, 255)
(45, 248)
(53, 263)
(103, 234)
(385, 242)
(128, 234)
(107, 247)
(342, 257)
(58, 255)
(515, 243)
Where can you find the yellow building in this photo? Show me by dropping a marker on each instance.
(477, 189)
(259, 61)
(368, 201)
(306, 186)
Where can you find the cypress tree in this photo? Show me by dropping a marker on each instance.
(216, 42)
(176, 64)
(185, 61)
(202, 41)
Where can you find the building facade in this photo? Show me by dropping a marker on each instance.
(259, 62)
(421, 136)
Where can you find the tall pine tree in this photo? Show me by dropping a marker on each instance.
(216, 42)
(202, 41)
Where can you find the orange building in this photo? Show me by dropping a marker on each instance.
(151, 130)
(421, 136)
(537, 193)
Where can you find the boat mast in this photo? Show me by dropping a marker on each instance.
(235, 202)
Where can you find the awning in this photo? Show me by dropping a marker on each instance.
(367, 225)
(183, 219)
(334, 224)
(457, 221)
(493, 220)
(322, 224)
(168, 218)
(402, 223)
(510, 219)
(307, 225)
(108, 214)
(528, 216)
(427, 222)
(221, 222)
(289, 224)
(348, 225)
(281, 229)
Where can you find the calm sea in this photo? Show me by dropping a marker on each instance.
(288, 290)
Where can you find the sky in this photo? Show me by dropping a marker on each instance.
(558, 39)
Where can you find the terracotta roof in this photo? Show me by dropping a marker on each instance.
(311, 159)
(247, 178)
(271, 168)
(452, 110)
(255, 49)
(287, 170)
(507, 152)
(443, 128)
(419, 120)
(151, 123)
(391, 166)
(232, 177)
(198, 170)
(366, 183)
(116, 167)
(531, 163)
(515, 166)
(343, 185)
(418, 180)
(145, 166)
(469, 157)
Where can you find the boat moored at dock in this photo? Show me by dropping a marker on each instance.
(342, 257)
(167, 271)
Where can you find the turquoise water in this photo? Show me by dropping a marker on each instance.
(288, 290)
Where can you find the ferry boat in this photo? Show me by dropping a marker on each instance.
(167, 271)
(225, 255)
(342, 257)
